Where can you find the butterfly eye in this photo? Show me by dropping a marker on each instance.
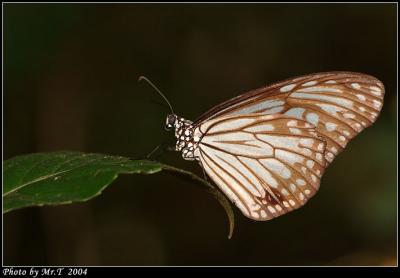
(168, 126)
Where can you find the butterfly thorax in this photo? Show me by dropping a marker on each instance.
(186, 142)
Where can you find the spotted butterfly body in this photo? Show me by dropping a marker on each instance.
(186, 142)
(268, 149)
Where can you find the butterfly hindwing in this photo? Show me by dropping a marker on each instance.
(267, 165)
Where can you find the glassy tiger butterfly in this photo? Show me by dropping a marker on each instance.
(267, 149)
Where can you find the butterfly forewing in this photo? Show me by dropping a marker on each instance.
(267, 165)
(338, 104)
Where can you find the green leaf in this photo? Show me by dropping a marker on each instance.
(65, 177)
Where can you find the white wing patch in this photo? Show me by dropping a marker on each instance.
(264, 167)
(266, 107)
(233, 142)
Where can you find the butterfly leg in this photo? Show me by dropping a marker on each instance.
(159, 150)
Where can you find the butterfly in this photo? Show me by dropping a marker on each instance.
(268, 149)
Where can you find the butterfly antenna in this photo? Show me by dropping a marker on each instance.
(155, 88)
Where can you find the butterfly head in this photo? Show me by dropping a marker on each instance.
(171, 121)
(184, 131)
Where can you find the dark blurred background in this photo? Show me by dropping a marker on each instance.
(70, 83)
